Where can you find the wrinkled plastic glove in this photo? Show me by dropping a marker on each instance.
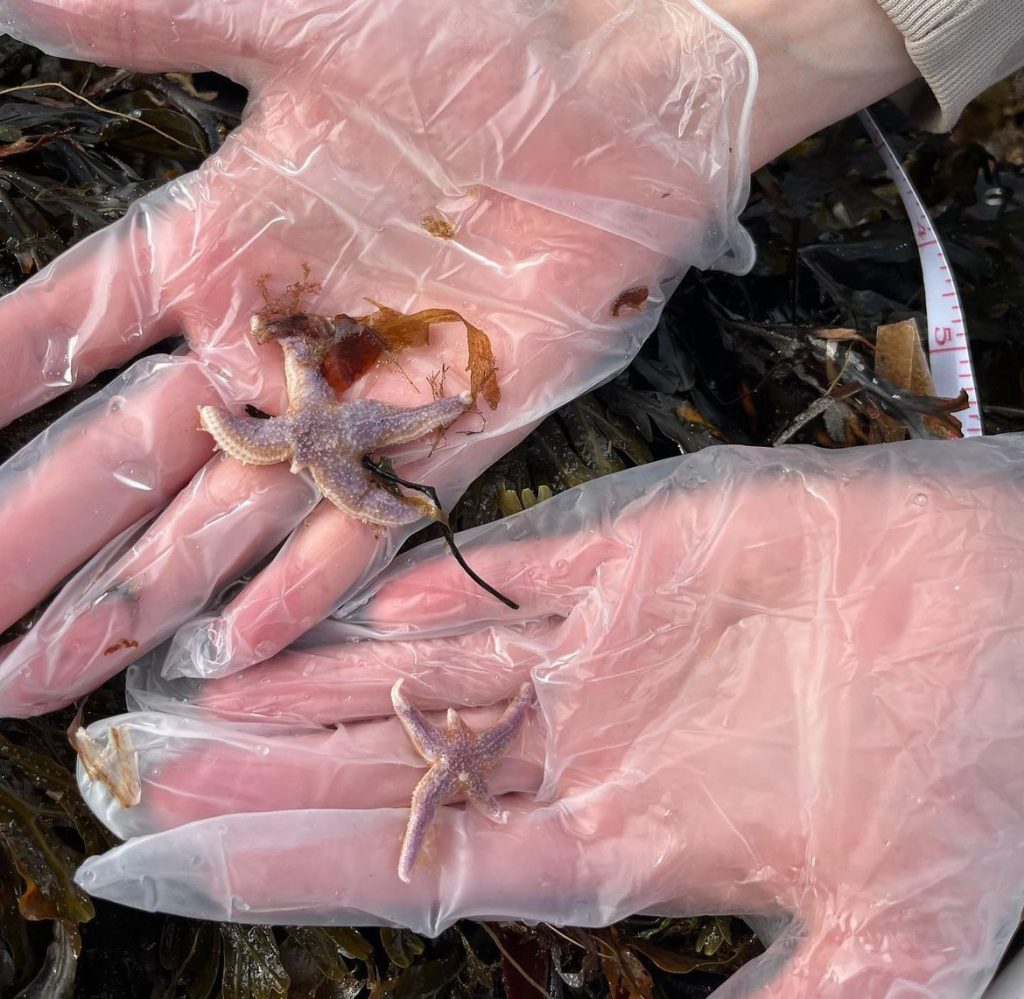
(577, 151)
(785, 682)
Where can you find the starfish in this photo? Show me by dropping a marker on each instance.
(460, 761)
(329, 437)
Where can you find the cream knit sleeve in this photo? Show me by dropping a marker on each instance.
(961, 47)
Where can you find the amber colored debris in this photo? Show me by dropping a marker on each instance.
(123, 643)
(346, 362)
(631, 298)
(437, 225)
(900, 359)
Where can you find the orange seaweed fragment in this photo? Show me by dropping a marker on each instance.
(482, 368)
(399, 331)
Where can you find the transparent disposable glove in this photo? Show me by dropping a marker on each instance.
(788, 683)
(571, 152)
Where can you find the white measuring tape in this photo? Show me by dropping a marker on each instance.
(949, 354)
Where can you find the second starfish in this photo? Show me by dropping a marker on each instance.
(460, 761)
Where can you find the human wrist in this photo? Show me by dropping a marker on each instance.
(817, 64)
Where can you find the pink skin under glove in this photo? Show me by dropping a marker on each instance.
(788, 683)
(573, 159)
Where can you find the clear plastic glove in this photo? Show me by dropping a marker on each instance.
(576, 150)
(786, 682)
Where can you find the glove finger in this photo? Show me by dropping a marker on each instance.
(545, 558)
(109, 297)
(150, 36)
(568, 862)
(104, 466)
(164, 269)
(344, 683)
(134, 592)
(585, 860)
(51, 335)
(191, 768)
(340, 867)
(329, 546)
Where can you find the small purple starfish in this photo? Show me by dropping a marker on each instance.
(460, 761)
(328, 437)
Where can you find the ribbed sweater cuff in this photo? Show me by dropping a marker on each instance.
(961, 47)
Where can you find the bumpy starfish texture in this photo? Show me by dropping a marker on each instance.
(329, 437)
(461, 760)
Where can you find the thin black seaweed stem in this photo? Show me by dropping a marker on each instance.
(387, 475)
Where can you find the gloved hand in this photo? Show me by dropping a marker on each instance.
(780, 682)
(523, 164)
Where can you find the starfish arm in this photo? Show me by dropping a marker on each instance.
(457, 728)
(256, 442)
(424, 736)
(483, 801)
(374, 425)
(496, 740)
(350, 487)
(304, 381)
(434, 789)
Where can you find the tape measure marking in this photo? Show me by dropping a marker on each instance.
(949, 353)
